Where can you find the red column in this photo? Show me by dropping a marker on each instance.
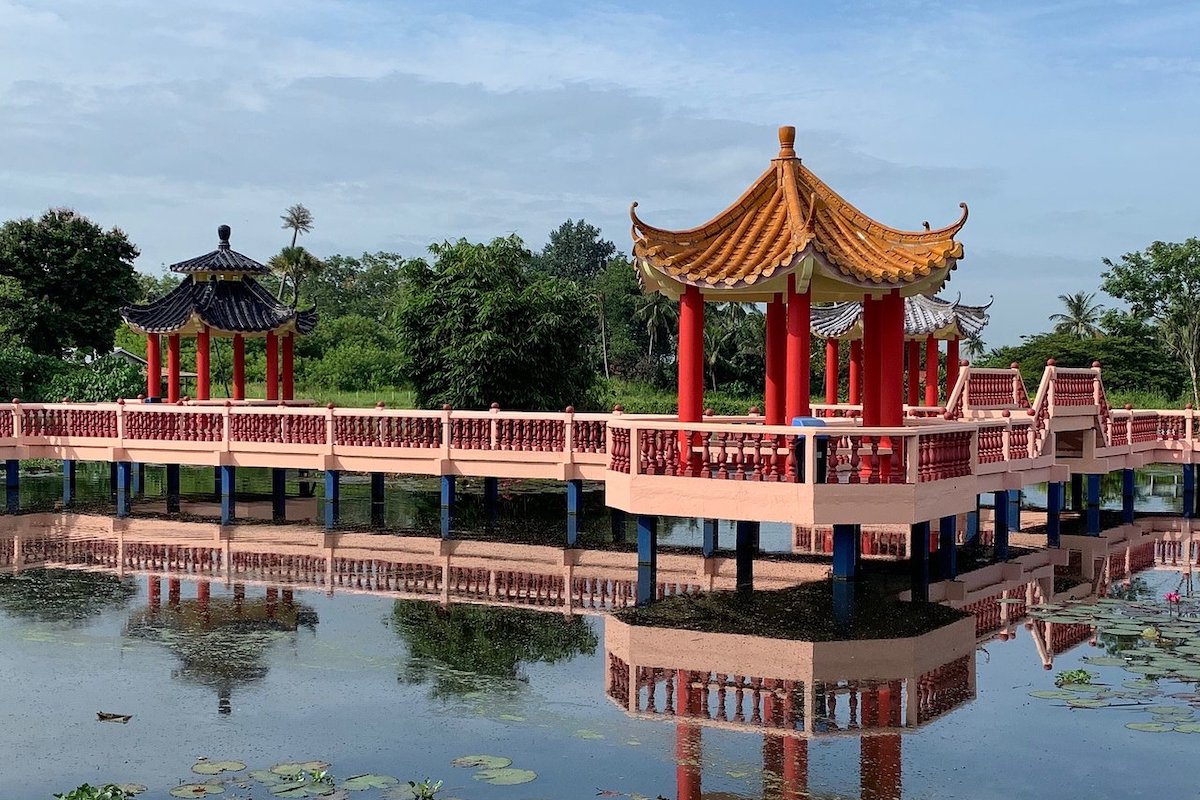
(272, 367)
(891, 341)
(799, 318)
(831, 371)
(931, 371)
(951, 365)
(687, 741)
(795, 768)
(239, 367)
(776, 360)
(202, 372)
(289, 380)
(153, 366)
(872, 324)
(856, 359)
(691, 355)
(173, 368)
(914, 372)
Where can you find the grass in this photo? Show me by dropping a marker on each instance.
(803, 613)
(1145, 400)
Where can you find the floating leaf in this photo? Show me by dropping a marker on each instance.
(1053, 694)
(1188, 727)
(1083, 702)
(1105, 661)
(512, 717)
(588, 734)
(507, 776)
(131, 789)
(484, 762)
(266, 776)
(357, 783)
(1149, 727)
(299, 767)
(197, 790)
(217, 767)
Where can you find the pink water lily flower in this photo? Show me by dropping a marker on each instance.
(1172, 597)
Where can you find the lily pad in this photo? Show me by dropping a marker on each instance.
(1188, 727)
(267, 776)
(130, 789)
(217, 767)
(1105, 661)
(1053, 694)
(588, 734)
(1084, 702)
(299, 767)
(482, 762)
(357, 783)
(506, 776)
(1150, 727)
(197, 790)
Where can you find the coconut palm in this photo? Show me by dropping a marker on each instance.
(973, 347)
(299, 219)
(294, 264)
(1081, 317)
(659, 314)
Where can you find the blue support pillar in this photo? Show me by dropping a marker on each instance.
(846, 546)
(1128, 492)
(843, 602)
(948, 548)
(1014, 509)
(1077, 492)
(1000, 539)
(217, 483)
(112, 481)
(69, 483)
(1189, 490)
(574, 510)
(491, 499)
(972, 537)
(172, 488)
(617, 517)
(278, 495)
(918, 560)
(124, 475)
(138, 485)
(378, 502)
(647, 576)
(228, 474)
(12, 486)
(1093, 505)
(333, 498)
(712, 537)
(1054, 505)
(746, 545)
(448, 496)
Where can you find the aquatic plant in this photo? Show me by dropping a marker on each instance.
(424, 790)
(109, 791)
(1074, 677)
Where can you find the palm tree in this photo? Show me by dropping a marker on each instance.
(294, 264)
(974, 347)
(659, 314)
(1082, 315)
(299, 219)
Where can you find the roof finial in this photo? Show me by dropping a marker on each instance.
(223, 235)
(787, 141)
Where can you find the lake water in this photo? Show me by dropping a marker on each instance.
(264, 672)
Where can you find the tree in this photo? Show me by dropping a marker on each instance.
(298, 219)
(294, 264)
(576, 250)
(1162, 283)
(1082, 315)
(364, 286)
(973, 347)
(478, 326)
(660, 316)
(618, 295)
(69, 279)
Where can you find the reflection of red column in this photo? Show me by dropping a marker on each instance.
(880, 766)
(691, 355)
(773, 766)
(687, 740)
(203, 593)
(288, 378)
(799, 323)
(831, 371)
(239, 596)
(856, 360)
(776, 360)
(173, 368)
(795, 768)
(173, 592)
(202, 372)
(272, 601)
(154, 591)
(914, 372)
(153, 366)
(272, 366)
(239, 367)
(931, 371)
(951, 365)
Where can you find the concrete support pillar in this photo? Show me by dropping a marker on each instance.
(776, 360)
(278, 495)
(448, 498)
(228, 474)
(690, 359)
(216, 473)
(12, 486)
(112, 481)
(1128, 493)
(712, 537)
(333, 498)
(378, 502)
(972, 532)
(69, 483)
(1000, 541)
(619, 522)
(647, 576)
(847, 542)
(574, 510)
(172, 488)
(948, 547)
(832, 367)
(799, 325)
(491, 500)
(1054, 505)
(746, 545)
(1093, 505)
(918, 557)
(1189, 491)
(843, 609)
(1077, 503)
(124, 470)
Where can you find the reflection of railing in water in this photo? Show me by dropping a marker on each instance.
(1175, 552)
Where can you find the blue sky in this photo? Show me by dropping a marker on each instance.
(1069, 127)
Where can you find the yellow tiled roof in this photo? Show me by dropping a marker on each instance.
(787, 212)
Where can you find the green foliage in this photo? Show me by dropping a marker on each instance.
(625, 341)
(109, 791)
(1073, 677)
(424, 790)
(297, 219)
(24, 373)
(478, 326)
(1080, 317)
(350, 353)
(63, 596)
(364, 286)
(294, 265)
(638, 397)
(68, 279)
(104, 380)
(576, 250)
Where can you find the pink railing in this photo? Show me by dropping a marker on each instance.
(65, 420)
(1074, 387)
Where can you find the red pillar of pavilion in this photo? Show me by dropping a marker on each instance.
(776, 360)
(872, 325)
(856, 360)
(687, 740)
(799, 321)
(153, 366)
(931, 371)
(914, 372)
(831, 371)
(173, 368)
(951, 365)
(288, 381)
(202, 371)
(691, 355)
(272, 366)
(891, 343)
(239, 367)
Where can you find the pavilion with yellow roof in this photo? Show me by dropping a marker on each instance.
(790, 241)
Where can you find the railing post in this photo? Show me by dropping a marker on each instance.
(329, 428)
(964, 379)
(635, 449)
(1097, 386)
(913, 465)
(1017, 383)
(492, 424)
(446, 431)
(1049, 377)
(1006, 436)
(121, 421)
(569, 436)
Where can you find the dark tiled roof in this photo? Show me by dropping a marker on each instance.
(223, 259)
(237, 306)
(923, 316)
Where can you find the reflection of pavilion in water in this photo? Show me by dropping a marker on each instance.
(790, 692)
